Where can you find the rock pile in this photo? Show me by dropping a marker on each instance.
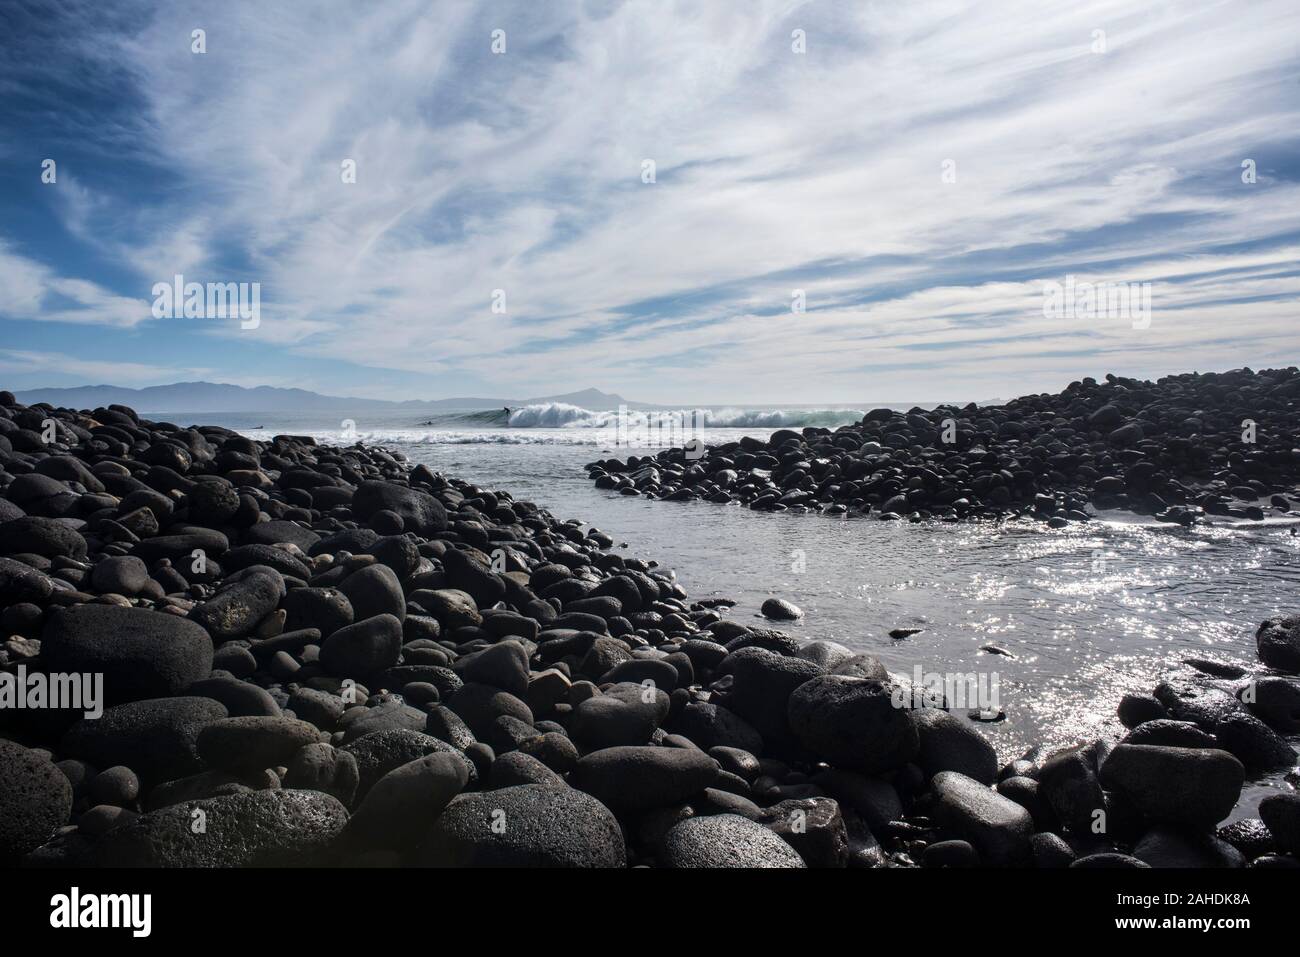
(316, 655)
(1178, 449)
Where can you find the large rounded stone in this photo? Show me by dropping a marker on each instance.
(156, 738)
(642, 778)
(996, 826)
(402, 805)
(503, 665)
(325, 609)
(272, 828)
(121, 575)
(41, 536)
(480, 705)
(22, 583)
(379, 752)
(363, 647)
(532, 825)
(1194, 786)
(375, 590)
(948, 743)
(1281, 814)
(853, 723)
(420, 511)
(1278, 643)
(141, 653)
(35, 800)
(762, 682)
(235, 610)
(726, 840)
(252, 743)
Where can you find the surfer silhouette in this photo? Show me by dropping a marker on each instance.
(507, 412)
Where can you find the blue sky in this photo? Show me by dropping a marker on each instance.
(1113, 156)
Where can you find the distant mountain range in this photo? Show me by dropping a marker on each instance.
(219, 397)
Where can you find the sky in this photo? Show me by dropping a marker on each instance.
(915, 175)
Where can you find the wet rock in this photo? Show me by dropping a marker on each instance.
(1281, 815)
(1070, 784)
(779, 609)
(853, 723)
(1169, 847)
(995, 826)
(1278, 643)
(947, 743)
(1192, 786)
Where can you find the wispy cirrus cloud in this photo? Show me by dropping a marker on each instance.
(1116, 155)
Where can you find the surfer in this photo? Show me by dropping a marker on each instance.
(507, 408)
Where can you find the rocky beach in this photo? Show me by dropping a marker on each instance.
(1177, 449)
(222, 651)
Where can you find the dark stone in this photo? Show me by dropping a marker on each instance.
(252, 829)
(235, 610)
(399, 810)
(996, 826)
(249, 744)
(420, 511)
(947, 743)
(853, 723)
(1277, 641)
(814, 827)
(141, 653)
(726, 840)
(642, 778)
(156, 738)
(35, 800)
(1193, 786)
(531, 825)
(1281, 815)
(321, 767)
(374, 590)
(363, 647)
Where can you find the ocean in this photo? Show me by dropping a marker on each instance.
(1085, 614)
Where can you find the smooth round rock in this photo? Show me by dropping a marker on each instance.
(726, 840)
(248, 744)
(279, 828)
(141, 653)
(531, 825)
(35, 800)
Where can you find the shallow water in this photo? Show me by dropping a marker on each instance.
(1087, 613)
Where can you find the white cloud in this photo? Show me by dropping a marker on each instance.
(521, 171)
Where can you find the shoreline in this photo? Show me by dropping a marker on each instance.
(324, 565)
(1178, 449)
